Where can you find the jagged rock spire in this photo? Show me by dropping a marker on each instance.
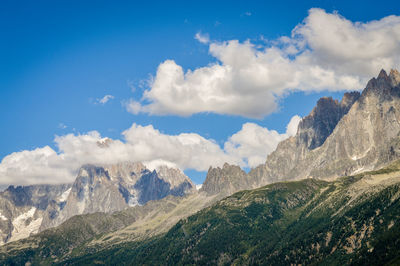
(382, 74)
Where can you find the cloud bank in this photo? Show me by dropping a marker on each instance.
(324, 52)
(248, 148)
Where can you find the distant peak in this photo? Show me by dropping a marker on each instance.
(382, 86)
(382, 74)
(226, 165)
(323, 104)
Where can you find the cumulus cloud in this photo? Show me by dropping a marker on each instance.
(105, 99)
(324, 52)
(253, 143)
(248, 147)
(291, 128)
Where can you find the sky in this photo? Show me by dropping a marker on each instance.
(190, 84)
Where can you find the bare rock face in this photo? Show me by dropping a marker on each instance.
(116, 187)
(317, 126)
(358, 134)
(22, 209)
(225, 180)
(159, 184)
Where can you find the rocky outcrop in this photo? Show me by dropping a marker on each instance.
(225, 180)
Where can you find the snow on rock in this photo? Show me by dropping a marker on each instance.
(64, 195)
(2, 217)
(24, 225)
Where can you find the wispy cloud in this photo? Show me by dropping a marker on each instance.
(203, 38)
(105, 99)
(131, 85)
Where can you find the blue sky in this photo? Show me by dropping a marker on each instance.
(59, 58)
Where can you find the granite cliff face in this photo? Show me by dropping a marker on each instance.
(31, 209)
(225, 180)
(22, 209)
(316, 127)
(366, 136)
(116, 187)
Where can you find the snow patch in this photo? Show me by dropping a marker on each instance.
(198, 186)
(22, 229)
(64, 195)
(2, 217)
(357, 171)
(133, 201)
(360, 156)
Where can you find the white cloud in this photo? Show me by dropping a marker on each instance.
(203, 38)
(324, 52)
(253, 143)
(133, 106)
(105, 99)
(291, 128)
(248, 147)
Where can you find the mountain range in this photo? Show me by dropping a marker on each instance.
(32, 209)
(327, 195)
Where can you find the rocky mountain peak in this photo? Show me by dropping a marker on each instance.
(382, 74)
(92, 171)
(319, 124)
(358, 134)
(227, 180)
(126, 171)
(173, 176)
(383, 87)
